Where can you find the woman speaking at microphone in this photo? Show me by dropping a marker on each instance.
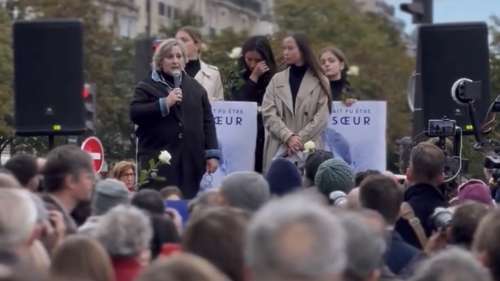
(172, 112)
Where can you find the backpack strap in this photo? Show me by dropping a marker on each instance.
(408, 214)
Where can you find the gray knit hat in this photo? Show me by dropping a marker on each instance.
(108, 193)
(334, 174)
(245, 190)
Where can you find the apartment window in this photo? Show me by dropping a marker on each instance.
(126, 26)
(161, 8)
(170, 12)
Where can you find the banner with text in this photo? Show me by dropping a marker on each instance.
(236, 124)
(358, 134)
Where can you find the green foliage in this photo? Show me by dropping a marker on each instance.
(495, 56)
(217, 54)
(6, 73)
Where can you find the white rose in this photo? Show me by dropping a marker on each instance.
(353, 70)
(164, 157)
(309, 146)
(235, 53)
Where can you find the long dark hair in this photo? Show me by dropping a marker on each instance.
(261, 45)
(311, 61)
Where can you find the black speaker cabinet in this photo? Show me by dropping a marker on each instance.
(48, 59)
(446, 53)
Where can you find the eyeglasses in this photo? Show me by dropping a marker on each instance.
(127, 175)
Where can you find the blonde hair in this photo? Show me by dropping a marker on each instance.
(164, 49)
(120, 168)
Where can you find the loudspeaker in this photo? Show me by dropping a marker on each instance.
(48, 59)
(142, 59)
(446, 53)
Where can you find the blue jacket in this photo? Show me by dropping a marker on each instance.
(400, 256)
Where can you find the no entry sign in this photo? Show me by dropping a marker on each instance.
(93, 146)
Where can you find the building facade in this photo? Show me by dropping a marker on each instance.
(240, 15)
(121, 15)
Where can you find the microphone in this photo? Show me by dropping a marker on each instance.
(177, 81)
(177, 78)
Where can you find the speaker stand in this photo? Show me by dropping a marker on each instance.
(51, 142)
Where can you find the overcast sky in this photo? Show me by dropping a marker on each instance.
(454, 10)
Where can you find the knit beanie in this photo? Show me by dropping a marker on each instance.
(283, 177)
(474, 190)
(332, 175)
(108, 194)
(245, 190)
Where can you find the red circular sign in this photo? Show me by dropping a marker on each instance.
(93, 146)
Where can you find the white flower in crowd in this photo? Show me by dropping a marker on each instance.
(235, 53)
(353, 70)
(165, 157)
(309, 146)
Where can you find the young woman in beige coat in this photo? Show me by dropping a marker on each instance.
(297, 101)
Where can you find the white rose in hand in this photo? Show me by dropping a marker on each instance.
(309, 146)
(165, 157)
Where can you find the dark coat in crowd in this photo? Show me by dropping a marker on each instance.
(400, 256)
(423, 198)
(251, 91)
(52, 204)
(186, 131)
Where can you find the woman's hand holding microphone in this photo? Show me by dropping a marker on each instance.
(174, 97)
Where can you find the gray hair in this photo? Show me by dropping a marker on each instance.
(124, 231)
(164, 49)
(453, 264)
(361, 263)
(295, 237)
(245, 190)
(17, 218)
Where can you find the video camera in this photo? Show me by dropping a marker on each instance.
(441, 128)
(441, 218)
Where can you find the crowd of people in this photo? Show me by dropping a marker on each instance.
(317, 220)
(60, 221)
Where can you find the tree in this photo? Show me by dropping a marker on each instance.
(6, 73)
(495, 56)
(220, 45)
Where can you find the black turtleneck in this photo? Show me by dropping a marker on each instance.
(296, 75)
(337, 86)
(192, 67)
(169, 78)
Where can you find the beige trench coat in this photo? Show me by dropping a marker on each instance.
(308, 119)
(209, 77)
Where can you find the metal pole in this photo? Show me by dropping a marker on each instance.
(148, 18)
